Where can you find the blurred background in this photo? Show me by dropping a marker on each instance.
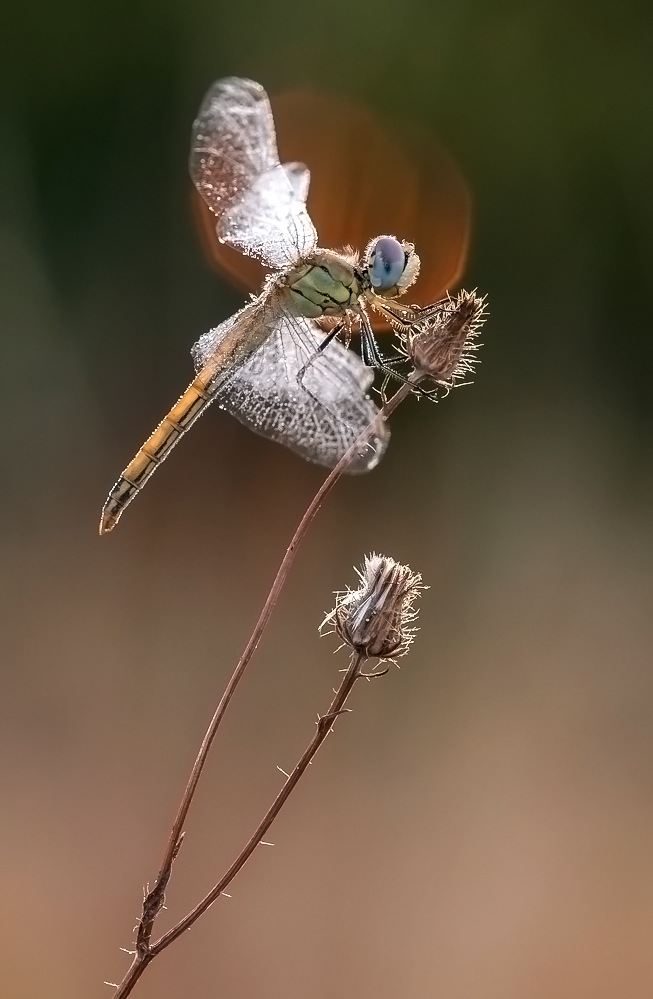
(481, 825)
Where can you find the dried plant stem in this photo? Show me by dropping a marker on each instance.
(174, 840)
(154, 899)
(143, 958)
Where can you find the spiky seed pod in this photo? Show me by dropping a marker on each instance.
(374, 619)
(443, 346)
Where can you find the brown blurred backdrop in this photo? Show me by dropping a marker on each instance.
(482, 825)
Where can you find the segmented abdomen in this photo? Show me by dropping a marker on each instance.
(157, 447)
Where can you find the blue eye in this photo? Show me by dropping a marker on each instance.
(387, 263)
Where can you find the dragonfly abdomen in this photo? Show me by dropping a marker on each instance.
(155, 449)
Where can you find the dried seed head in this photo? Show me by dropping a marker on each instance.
(373, 620)
(442, 346)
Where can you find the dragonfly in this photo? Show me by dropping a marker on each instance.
(278, 365)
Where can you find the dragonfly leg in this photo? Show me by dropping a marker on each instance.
(383, 391)
(330, 335)
(325, 343)
(373, 357)
(417, 313)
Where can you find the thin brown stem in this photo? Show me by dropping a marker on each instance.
(155, 898)
(174, 840)
(324, 726)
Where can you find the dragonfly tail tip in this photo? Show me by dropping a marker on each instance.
(108, 520)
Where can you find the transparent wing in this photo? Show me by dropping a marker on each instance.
(318, 417)
(222, 350)
(260, 205)
(270, 222)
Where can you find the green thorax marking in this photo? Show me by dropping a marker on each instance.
(325, 285)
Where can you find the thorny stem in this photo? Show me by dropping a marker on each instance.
(324, 725)
(154, 899)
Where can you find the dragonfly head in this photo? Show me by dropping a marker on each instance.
(392, 267)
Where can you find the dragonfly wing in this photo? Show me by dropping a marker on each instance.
(319, 412)
(260, 205)
(209, 352)
(270, 222)
(233, 142)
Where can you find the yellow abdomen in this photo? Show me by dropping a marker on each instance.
(157, 447)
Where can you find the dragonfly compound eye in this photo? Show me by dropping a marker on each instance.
(386, 263)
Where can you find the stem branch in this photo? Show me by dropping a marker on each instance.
(155, 898)
(324, 725)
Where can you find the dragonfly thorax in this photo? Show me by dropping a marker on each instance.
(325, 285)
